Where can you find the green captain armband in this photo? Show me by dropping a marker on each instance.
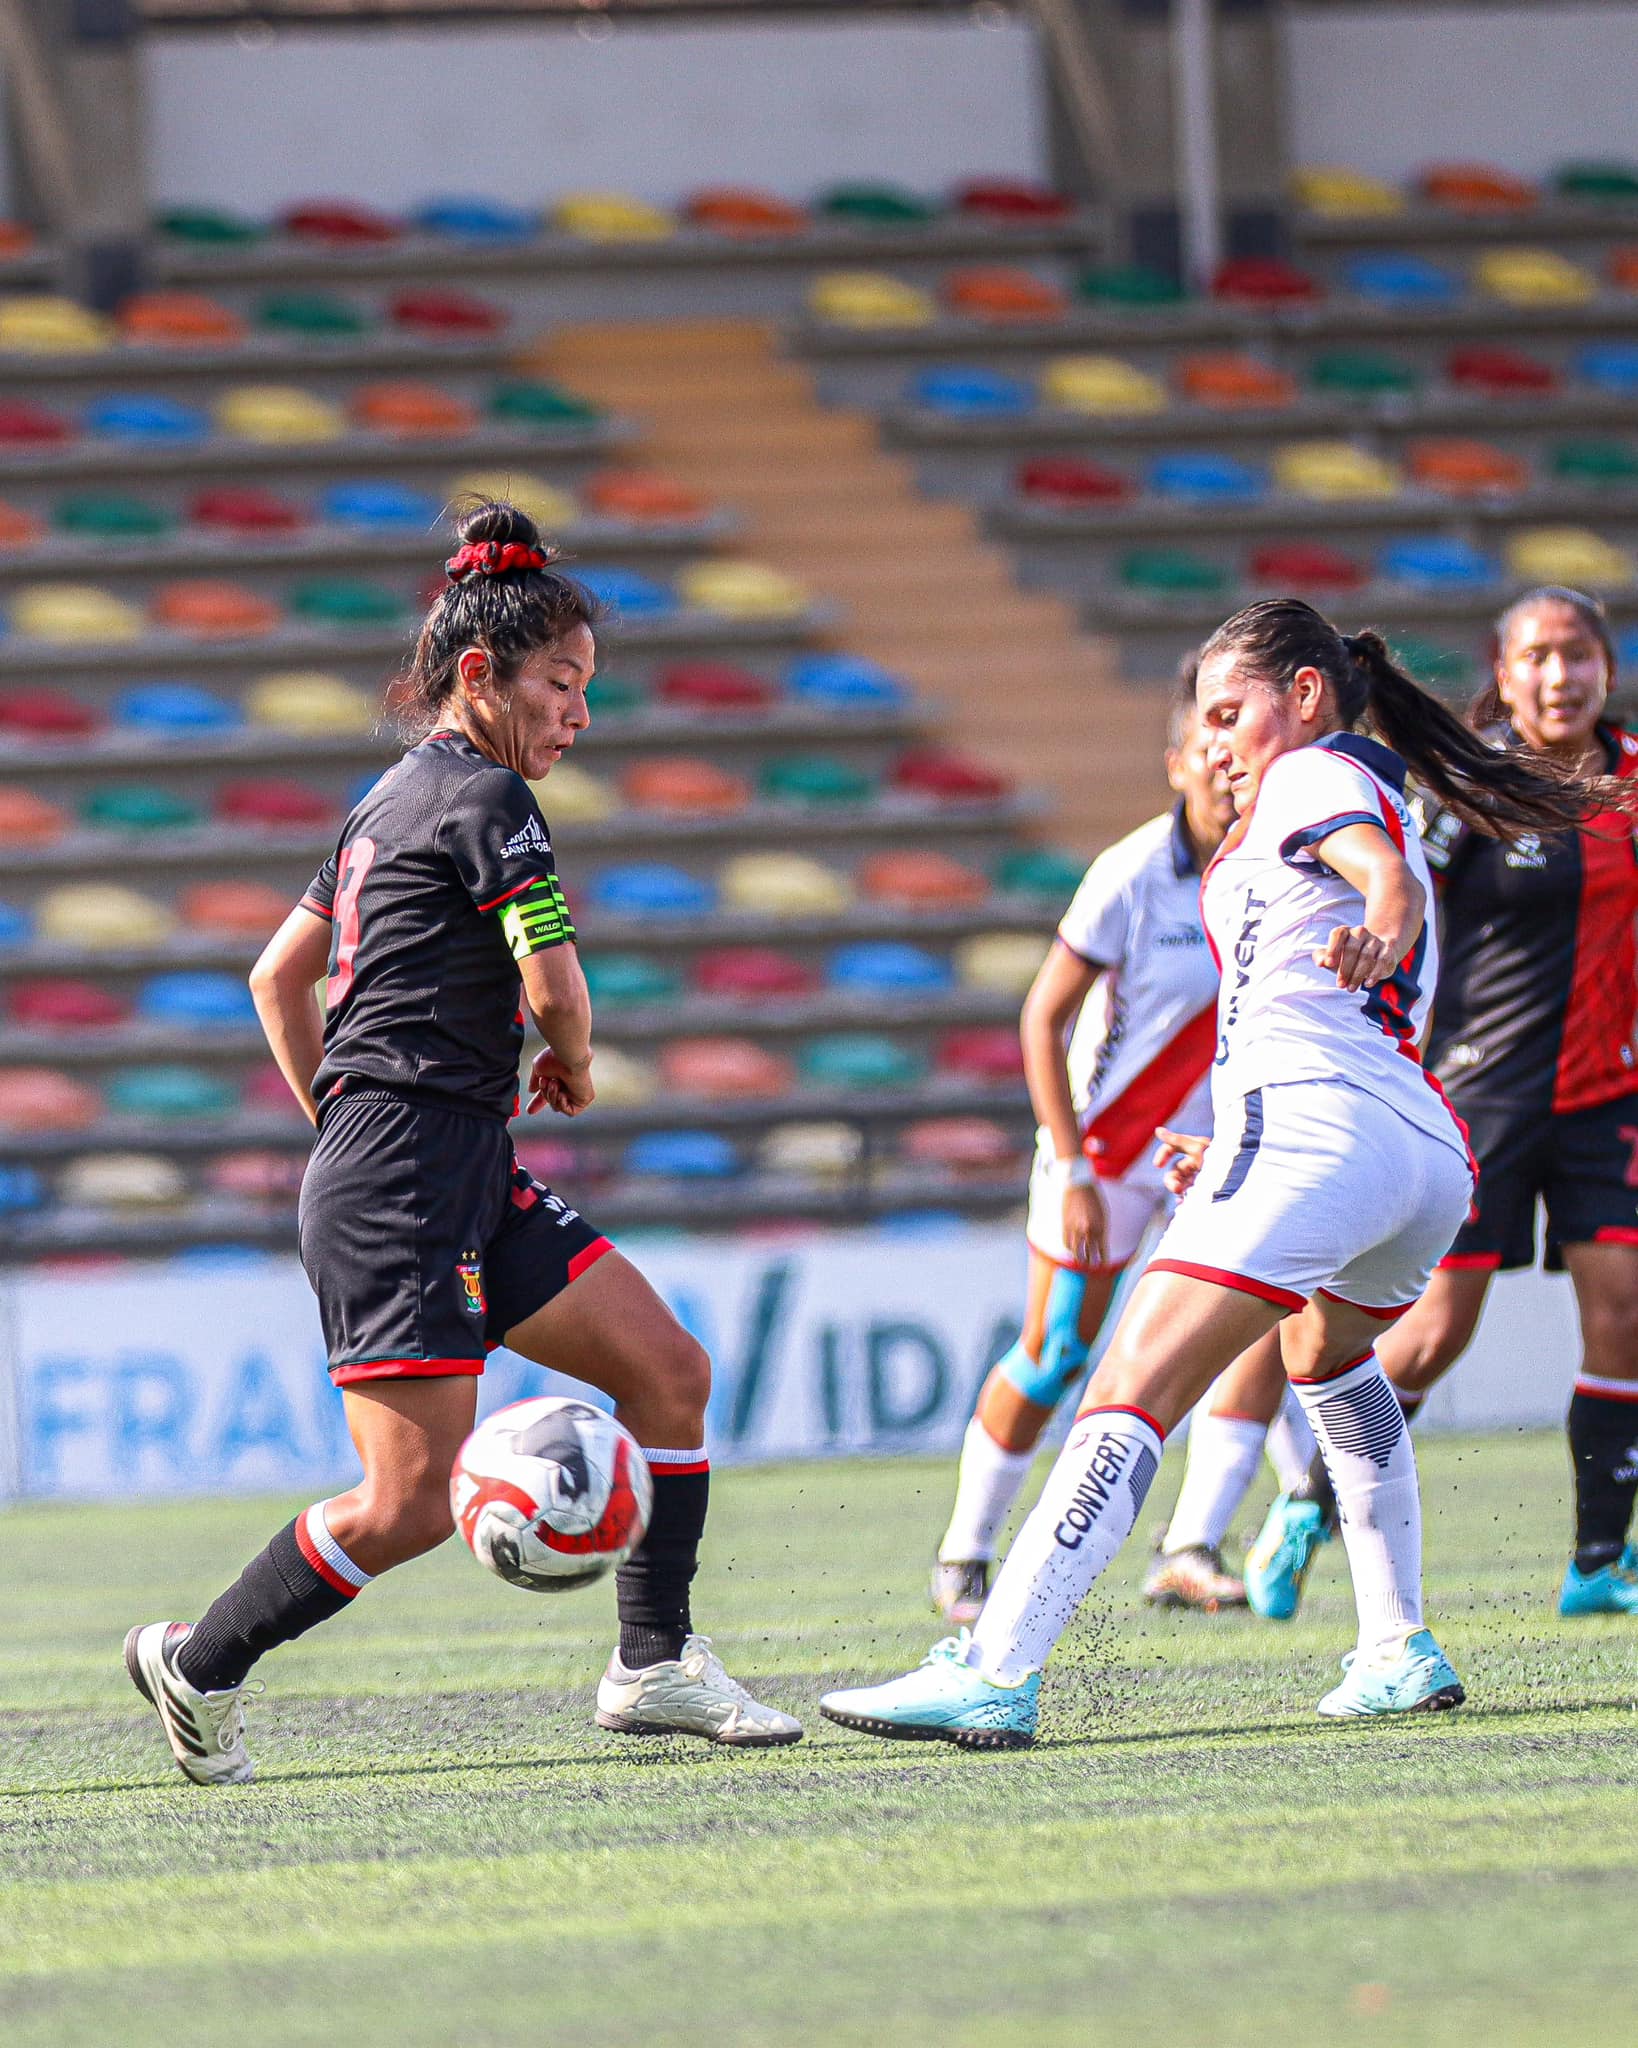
(537, 920)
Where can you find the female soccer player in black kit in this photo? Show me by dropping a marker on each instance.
(438, 917)
(1533, 1042)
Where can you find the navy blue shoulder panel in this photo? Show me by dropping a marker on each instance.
(1382, 761)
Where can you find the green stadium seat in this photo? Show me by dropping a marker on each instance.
(1172, 572)
(139, 807)
(1362, 373)
(312, 316)
(1599, 183)
(1128, 284)
(1596, 462)
(868, 204)
(537, 404)
(859, 1059)
(1442, 668)
(1039, 871)
(208, 224)
(814, 779)
(112, 515)
(344, 601)
(625, 980)
(171, 1094)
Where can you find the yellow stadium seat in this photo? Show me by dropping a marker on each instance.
(813, 1151)
(312, 703)
(44, 325)
(1101, 384)
(621, 1079)
(551, 508)
(1533, 277)
(741, 590)
(1004, 961)
(784, 885)
(277, 413)
(569, 795)
(1338, 192)
(611, 217)
(101, 917)
(1568, 554)
(870, 298)
(123, 1180)
(72, 611)
(1333, 469)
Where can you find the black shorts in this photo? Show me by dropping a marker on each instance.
(425, 1240)
(1582, 1164)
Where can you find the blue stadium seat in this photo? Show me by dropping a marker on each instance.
(1438, 561)
(627, 593)
(146, 416)
(21, 1189)
(889, 967)
(197, 1001)
(360, 789)
(475, 220)
(843, 679)
(1626, 649)
(971, 393)
(1203, 475)
(652, 888)
(373, 502)
(683, 1155)
(1609, 366)
(16, 926)
(1400, 279)
(175, 708)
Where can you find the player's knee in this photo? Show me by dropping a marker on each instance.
(427, 1521)
(1609, 1329)
(681, 1387)
(1047, 1378)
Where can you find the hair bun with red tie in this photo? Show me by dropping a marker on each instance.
(495, 558)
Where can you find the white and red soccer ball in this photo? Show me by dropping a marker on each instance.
(550, 1493)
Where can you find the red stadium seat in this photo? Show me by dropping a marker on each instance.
(1011, 199)
(1500, 372)
(715, 686)
(1623, 268)
(1072, 481)
(1306, 565)
(724, 1068)
(29, 820)
(985, 1053)
(753, 974)
(66, 1006)
(929, 771)
(274, 803)
(447, 313)
(1264, 281)
(923, 880)
(33, 713)
(339, 221)
(24, 425)
(248, 910)
(19, 529)
(245, 509)
(267, 1091)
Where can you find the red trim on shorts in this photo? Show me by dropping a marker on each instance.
(405, 1369)
(1470, 1262)
(588, 1256)
(316, 1558)
(1381, 1315)
(1121, 1408)
(1241, 1283)
(1616, 1233)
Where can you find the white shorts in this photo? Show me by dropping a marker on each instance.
(1315, 1187)
(1133, 1202)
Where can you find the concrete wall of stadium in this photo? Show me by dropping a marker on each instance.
(182, 1380)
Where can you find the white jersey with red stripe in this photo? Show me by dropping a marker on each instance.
(1140, 1053)
(1270, 904)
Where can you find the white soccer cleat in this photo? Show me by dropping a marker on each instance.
(691, 1695)
(206, 1730)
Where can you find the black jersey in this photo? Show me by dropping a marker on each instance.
(442, 882)
(1538, 981)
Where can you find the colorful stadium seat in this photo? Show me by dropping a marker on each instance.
(274, 803)
(627, 980)
(874, 204)
(1338, 193)
(1432, 662)
(175, 319)
(173, 709)
(29, 712)
(1103, 386)
(714, 686)
(859, 1059)
(753, 974)
(23, 424)
(1070, 480)
(1599, 462)
(241, 910)
(1621, 268)
(571, 796)
(276, 414)
(784, 885)
(815, 1151)
(16, 239)
(617, 696)
(1205, 478)
(652, 889)
(1570, 555)
(256, 1174)
(1001, 293)
(641, 495)
(209, 608)
(245, 510)
(681, 1155)
(551, 508)
(1500, 372)
(1475, 188)
(530, 402)
(16, 926)
(123, 1180)
(170, 1094)
(981, 1053)
(447, 314)
(626, 592)
(1399, 278)
(1598, 183)
(199, 1001)
(1305, 565)
(610, 217)
(112, 515)
(839, 679)
(686, 784)
(1129, 284)
(1231, 382)
(342, 222)
(139, 807)
(1004, 963)
(380, 504)
(66, 1005)
(1264, 281)
(39, 324)
(889, 967)
(1011, 201)
(724, 1069)
(146, 418)
(814, 779)
(1533, 277)
(920, 879)
(1438, 562)
(1609, 366)
(1333, 470)
(308, 701)
(1171, 573)
(267, 1093)
(1465, 469)
(345, 601)
(19, 529)
(313, 316)
(42, 1099)
(963, 1145)
(948, 777)
(961, 393)
(63, 612)
(409, 411)
(742, 590)
(1361, 373)
(465, 219)
(96, 917)
(743, 210)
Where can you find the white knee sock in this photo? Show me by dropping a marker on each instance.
(1367, 1449)
(986, 1487)
(1085, 1513)
(1291, 1444)
(1224, 1454)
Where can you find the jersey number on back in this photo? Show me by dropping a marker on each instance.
(355, 863)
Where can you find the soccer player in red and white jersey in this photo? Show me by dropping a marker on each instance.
(1335, 1180)
(1131, 984)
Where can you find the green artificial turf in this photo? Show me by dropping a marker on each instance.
(442, 1850)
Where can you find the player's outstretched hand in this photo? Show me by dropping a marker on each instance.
(1086, 1226)
(1180, 1152)
(1356, 956)
(553, 1085)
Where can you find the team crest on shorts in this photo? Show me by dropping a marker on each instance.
(469, 1269)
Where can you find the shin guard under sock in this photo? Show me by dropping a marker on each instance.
(1603, 1427)
(301, 1578)
(651, 1587)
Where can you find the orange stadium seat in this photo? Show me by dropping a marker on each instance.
(244, 910)
(742, 210)
(921, 880)
(1465, 469)
(682, 782)
(1475, 188)
(1622, 267)
(1233, 382)
(19, 529)
(207, 608)
(16, 239)
(725, 1068)
(27, 819)
(44, 1099)
(411, 410)
(1000, 292)
(640, 494)
(180, 320)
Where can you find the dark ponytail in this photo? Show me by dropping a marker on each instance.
(1487, 708)
(1499, 792)
(510, 612)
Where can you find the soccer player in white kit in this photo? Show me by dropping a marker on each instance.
(1336, 1177)
(1131, 972)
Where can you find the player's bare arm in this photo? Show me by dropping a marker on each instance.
(1055, 1000)
(1396, 905)
(283, 987)
(554, 987)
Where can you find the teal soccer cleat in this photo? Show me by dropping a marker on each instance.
(1419, 1679)
(1276, 1566)
(943, 1700)
(1612, 1589)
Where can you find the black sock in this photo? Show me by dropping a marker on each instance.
(279, 1595)
(1604, 1452)
(1317, 1488)
(651, 1588)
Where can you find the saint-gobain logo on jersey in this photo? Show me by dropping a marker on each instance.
(530, 840)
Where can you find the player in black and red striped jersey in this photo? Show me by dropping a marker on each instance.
(440, 919)
(1533, 1041)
